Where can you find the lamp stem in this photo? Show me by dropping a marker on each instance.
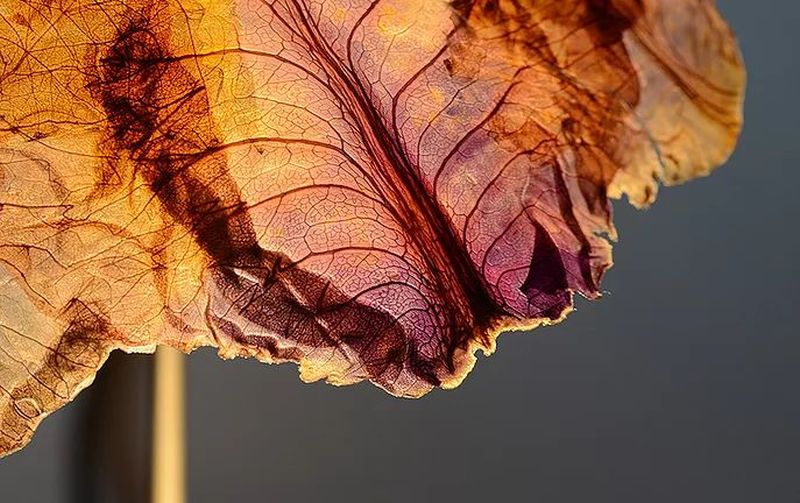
(169, 436)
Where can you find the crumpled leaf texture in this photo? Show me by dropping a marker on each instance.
(372, 189)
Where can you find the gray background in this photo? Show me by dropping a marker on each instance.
(681, 384)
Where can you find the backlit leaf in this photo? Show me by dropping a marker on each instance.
(372, 189)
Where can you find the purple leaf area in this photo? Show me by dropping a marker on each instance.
(372, 189)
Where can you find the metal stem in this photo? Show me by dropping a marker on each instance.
(169, 436)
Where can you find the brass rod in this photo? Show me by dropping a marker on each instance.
(169, 435)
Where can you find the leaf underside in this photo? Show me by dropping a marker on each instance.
(372, 189)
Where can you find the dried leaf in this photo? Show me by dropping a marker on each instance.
(372, 189)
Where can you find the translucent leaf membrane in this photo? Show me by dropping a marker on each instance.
(374, 190)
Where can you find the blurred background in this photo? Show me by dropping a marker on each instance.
(681, 384)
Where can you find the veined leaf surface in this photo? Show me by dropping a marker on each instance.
(372, 189)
